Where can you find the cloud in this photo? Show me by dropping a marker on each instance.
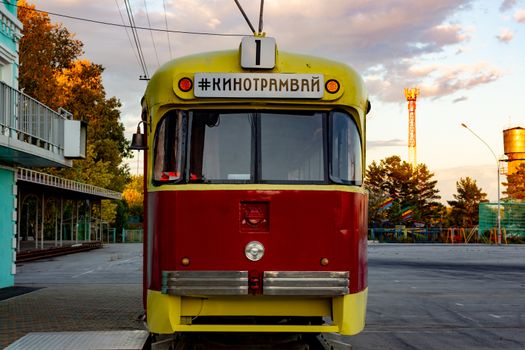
(460, 99)
(385, 143)
(505, 35)
(507, 5)
(444, 35)
(451, 79)
(422, 71)
(519, 16)
(434, 80)
(363, 33)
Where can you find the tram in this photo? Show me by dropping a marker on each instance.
(256, 214)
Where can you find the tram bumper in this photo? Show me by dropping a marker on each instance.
(167, 314)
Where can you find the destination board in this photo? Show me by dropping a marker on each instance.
(259, 85)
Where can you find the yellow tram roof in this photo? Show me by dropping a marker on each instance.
(162, 89)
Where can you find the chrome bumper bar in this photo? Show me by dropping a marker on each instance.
(302, 283)
(205, 282)
(314, 283)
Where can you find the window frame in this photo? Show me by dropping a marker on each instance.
(256, 144)
(182, 151)
(352, 118)
(253, 145)
(324, 124)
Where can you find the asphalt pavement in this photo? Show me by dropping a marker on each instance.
(434, 296)
(421, 296)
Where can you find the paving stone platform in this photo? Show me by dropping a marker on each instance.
(59, 308)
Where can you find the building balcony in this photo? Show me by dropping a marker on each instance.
(33, 135)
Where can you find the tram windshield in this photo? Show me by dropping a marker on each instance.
(260, 147)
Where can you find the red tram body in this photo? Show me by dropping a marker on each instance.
(256, 214)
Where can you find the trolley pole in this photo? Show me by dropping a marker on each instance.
(498, 169)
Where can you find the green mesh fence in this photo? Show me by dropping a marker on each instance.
(512, 218)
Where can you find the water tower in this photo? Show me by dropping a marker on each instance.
(514, 148)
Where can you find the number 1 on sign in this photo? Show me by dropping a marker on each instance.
(258, 52)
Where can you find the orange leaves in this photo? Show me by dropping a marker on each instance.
(81, 78)
(133, 194)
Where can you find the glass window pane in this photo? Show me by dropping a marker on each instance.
(221, 147)
(292, 147)
(346, 157)
(168, 142)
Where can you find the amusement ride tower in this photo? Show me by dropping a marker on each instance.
(411, 95)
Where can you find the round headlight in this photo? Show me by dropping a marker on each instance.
(254, 251)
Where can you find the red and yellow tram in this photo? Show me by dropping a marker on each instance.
(256, 212)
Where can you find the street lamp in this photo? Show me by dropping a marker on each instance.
(497, 165)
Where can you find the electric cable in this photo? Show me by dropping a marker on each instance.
(167, 32)
(151, 33)
(137, 40)
(127, 26)
(127, 34)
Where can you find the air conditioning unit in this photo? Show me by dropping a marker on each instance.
(75, 139)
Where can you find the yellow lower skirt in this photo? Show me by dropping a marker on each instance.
(170, 314)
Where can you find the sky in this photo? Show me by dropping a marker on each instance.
(465, 56)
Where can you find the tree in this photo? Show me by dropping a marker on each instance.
(425, 195)
(45, 49)
(465, 206)
(516, 184)
(134, 195)
(52, 72)
(401, 194)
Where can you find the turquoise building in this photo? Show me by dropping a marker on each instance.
(31, 136)
(9, 37)
(10, 34)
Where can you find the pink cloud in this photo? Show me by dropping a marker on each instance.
(362, 33)
(422, 71)
(505, 35)
(446, 34)
(458, 78)
(434, 81)
(519, 16)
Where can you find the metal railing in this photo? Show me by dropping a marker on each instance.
(8, 27)
(27, 120)
(37, 177)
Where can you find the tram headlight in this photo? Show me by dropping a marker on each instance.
(332, 86)
(185, 84)
(254, 251)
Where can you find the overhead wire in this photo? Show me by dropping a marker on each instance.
(151, 33)
(128, 26)
(139, 55)
(261, 17)
(245, 16)
(167, 31)
(127, 33)
(136, 39)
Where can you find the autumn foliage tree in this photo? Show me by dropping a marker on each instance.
(45, 49)
(133, 194)
(53, 72)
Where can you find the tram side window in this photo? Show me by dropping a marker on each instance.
(168, 144)
(221, 147)
(346, 160)
(292, 147)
